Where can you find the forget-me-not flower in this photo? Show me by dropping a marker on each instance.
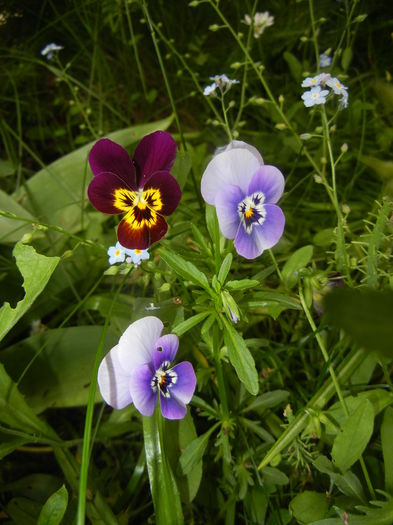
(261, 22)
(315, 96)
(136, 256)
(324, 60)
(221, 82)
(50, 50)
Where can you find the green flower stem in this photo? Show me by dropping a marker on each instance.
(163, 71)
(275, 264)
(334, 380)
(135, 47)
(226, 122)
(349, 365)
(87, 448)
(314, 34)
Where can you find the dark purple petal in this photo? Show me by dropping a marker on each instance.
(114, 381)
(165, 349)
(171, 408)
(168, 188)
(262, 237)
(184, 388)
(227, 201)
(144, 398)
(155, 152)
(139, 236)
(101, 192)
(270, 181)
(107, 156)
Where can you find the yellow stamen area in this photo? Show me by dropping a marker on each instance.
(117, 253)
(138, 252)
(249, 213)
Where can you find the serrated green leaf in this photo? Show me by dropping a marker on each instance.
(297, 261)
(54, 508)
(184, 268)
(240, 357)
(354, 436)
(36, 270)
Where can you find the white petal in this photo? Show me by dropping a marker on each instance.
(113, 381)
(137, 343)
(234, 166)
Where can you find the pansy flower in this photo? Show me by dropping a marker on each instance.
(142, 187)
(245, 192)
(139, 370)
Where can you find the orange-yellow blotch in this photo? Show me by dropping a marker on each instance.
(249, 213)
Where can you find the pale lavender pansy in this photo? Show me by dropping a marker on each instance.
(245, 192)
(139, 370)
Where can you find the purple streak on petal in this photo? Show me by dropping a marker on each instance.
(165, 349)
(171, 408)
(235, 166)
(113, 381)
(227, 201)
(155, 152)
(107, 156)
(169, 189)
(270, 181)
(100, 192)
(184, 388)
(144, 398)
(272, 229)
(138, 341)
(247, 244)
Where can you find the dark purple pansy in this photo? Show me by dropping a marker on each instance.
(142, 187)
(139, 370)
(245, 192)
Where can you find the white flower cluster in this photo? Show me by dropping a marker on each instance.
(260, 23)
(317, 95)
(118, 254)
(50, 50)
(222, 82)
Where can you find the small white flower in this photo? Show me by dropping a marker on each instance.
(50, 49)
(315, 96)
(324, 60)
(136, 256)
(316, 81)
(116, 253)
(222, 82)
(337, 86)
(261, 22)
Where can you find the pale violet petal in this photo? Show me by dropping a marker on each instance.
(145, 399)
(137, 343)
(113, 381)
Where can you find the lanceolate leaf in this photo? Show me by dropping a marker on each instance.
(184, 268)
(36, 270)
(53, 510)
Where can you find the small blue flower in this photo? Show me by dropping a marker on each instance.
(210, 89)
(136, 256)
(324, 60)
(116, 253)
(315, 96)
(50, 50)
(222, 82)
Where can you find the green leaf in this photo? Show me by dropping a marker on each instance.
(54, 508)
(62, 360)
(57, 193)
(295, 66)
(382, 514)
(23, 510)
(185, 269)
(166, 498)
(242, 284)
(346, 58)
(365, 315)
(240, 357)
(12, 230)
(274, 476)
(212, 225)
(36, 270)
(225, 267)
(183, 327)
(309, 506)
(267, 400)
(297, 261)
(348, 483)
(194, 451)
(182, 167)
(387, 449)
(354, 436)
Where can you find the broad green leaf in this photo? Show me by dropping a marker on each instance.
(225, 267)
(54, 508)
(274, 476)
(59, 375)
(36, 270)
(165, 494)
(365, 315)
(12, 230)
(348, 483)
(296, 262)
(309, 506)
(354, 436)
(184, 268)
(189, 323)
(387, 449)
(381, 514)
(194, 451)
(57, 193)
(240, 357)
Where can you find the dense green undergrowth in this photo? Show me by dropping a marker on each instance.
(291, 420)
